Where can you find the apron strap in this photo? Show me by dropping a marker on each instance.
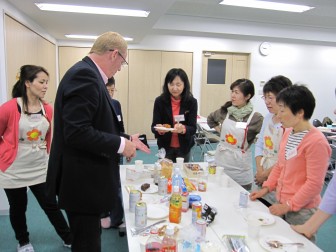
(246, 129)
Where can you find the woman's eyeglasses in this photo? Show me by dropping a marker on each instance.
(268, 98)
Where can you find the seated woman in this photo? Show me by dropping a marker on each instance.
(304, 153)
(175, 101)
(267, 145)
(238, 125)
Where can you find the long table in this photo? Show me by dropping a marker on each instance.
(229, 220)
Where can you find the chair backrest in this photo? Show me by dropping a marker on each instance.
(317, 123)
(207, 135)
(333, 151)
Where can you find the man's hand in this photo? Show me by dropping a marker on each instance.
(130, 150)
(140, 145)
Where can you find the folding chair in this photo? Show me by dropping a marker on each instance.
(203, 141)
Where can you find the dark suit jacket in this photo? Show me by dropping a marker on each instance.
(117, 109)
(83, 164)
(163, 114)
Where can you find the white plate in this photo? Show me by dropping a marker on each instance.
(263, 243)
(163, 128)
(152, 189)
(157, 211)
(264, 218)
(150, 199)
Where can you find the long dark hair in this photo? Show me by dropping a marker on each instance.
(27, 73)
(245, 86)
(172, 73)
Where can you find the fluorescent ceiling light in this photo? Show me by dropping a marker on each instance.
(91, 37)
(92, 10)
(267, 5)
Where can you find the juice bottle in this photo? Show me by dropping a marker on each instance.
(169, 242)
(175, 206)
(153, 243)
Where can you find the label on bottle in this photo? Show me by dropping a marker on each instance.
(175, 208)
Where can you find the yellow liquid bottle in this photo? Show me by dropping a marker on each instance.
(175, 206)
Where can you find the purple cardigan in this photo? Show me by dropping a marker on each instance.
(328, 203)
(9, 131)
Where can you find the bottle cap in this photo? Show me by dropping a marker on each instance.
(154, 230)
(169, 230)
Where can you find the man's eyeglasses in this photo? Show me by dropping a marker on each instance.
(124, 63)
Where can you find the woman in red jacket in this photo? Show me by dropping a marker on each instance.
(25, 136)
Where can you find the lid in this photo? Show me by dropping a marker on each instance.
(154, 230)
(170, 230)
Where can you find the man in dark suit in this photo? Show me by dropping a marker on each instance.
(114, 218)
(83, 164)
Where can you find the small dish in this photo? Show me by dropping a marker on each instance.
(150, 199)
(152, 189)
(265, 219)
(163, 128)
(155, 211)
(263, 243)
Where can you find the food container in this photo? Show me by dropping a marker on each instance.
(166, 167)
(132, 174)
(193, 170)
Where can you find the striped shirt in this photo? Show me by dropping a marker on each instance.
(294, 139)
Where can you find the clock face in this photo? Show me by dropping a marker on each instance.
(265, 48)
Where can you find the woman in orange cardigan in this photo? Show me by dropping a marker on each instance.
(304, 153)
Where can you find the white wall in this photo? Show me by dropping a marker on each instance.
(313, 65)
(6, 7)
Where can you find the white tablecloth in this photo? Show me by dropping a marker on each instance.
(229, 219)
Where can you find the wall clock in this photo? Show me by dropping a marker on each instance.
(265, 48)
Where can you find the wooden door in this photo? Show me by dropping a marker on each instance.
(144, 86)
(25, 47)
(171, 60)
(219, 70)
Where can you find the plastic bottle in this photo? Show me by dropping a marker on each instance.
(177, 178)
(205, 158)
(169, 242)
(175, 206)
(153, 243)
(156, 173)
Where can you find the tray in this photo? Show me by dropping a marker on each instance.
(193, 170)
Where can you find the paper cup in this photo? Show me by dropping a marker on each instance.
(139, 167)
(253, 228)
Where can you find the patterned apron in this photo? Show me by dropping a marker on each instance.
(30, 164)
(233, 153)
(272, 137)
